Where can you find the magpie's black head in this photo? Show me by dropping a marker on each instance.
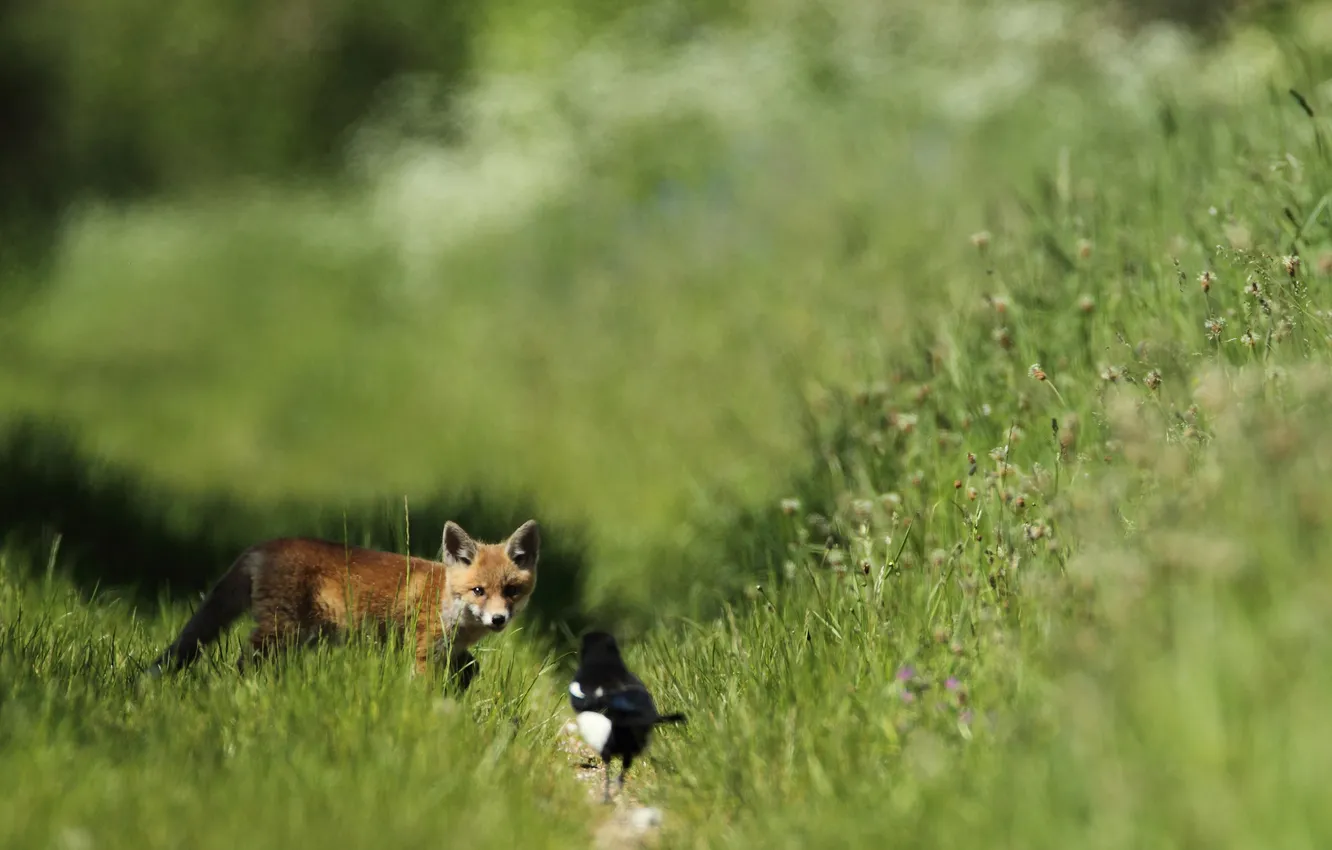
(599, 644)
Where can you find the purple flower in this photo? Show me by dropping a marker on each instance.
(951, 684)
(906, 674)
(907, 696)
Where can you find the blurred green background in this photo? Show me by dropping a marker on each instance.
(285, 265)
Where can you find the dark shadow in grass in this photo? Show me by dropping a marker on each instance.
(119, 531)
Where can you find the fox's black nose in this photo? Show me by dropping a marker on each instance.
(497, 619)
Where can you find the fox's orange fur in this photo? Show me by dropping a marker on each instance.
(304, 589)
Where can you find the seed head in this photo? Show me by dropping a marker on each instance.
(1086, 304)
(1111, 374)
(1206, 279)
(1084, 248)
(1036, 372)
(1152, 380)
(1253, 289)
(1291, 264)
(1249, 339)
(1215, 326)
(981, 239)
(790, 506)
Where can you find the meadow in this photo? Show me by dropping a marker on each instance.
(932, 396)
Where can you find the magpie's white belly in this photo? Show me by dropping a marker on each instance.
(594, 728)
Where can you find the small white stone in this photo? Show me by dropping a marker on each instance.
(645, 818)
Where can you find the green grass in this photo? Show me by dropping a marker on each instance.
(1028, 556)
(222, 759)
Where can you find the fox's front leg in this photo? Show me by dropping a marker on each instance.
(428, 648)
(424, 645)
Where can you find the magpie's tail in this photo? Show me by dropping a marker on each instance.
(678, 717)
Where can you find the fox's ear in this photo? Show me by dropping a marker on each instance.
(459, 547)
(524, 545)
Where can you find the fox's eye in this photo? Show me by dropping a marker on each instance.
(510, 591)
(479, 591)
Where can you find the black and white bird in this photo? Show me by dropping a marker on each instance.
(614, 712)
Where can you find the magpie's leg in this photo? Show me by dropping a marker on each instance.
(625, 761)
(607, 798)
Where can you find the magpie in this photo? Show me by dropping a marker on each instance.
(614, 712)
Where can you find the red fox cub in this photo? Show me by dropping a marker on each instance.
(304, 589)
